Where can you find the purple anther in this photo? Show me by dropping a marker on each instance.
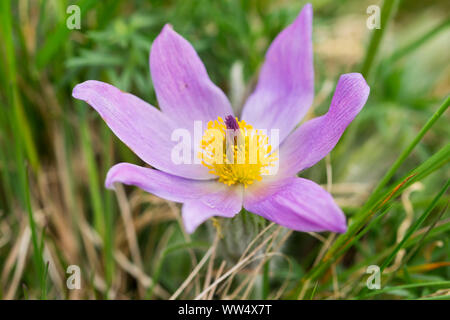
(231, 122)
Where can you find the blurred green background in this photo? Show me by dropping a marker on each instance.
(55, 151)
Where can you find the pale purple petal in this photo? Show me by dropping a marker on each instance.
(202, 199)
(143, 128)
(285, 89)
(317, 137)
(184, 91)
(296, 203)
(195, 212)
(162, 184)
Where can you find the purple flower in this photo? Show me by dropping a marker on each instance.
(281, 99)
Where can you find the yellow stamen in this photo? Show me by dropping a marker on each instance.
(236, 156)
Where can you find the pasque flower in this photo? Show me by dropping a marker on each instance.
(185, 94)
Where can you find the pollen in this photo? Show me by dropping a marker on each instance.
(235, 152)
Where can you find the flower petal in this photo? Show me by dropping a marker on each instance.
(317, 137)
(285, 88)
(195, 212)
(203, 199)
(162, 184)
(297, 204)
(184, 91)
(143, 128)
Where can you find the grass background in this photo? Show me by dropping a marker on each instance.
(389, 172)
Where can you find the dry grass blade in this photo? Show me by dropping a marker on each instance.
(139, 275)
(239, 265)
(187, 238)
(130, 232)
(218, 274)
(20, 264)
(258, 236)
(193, 273)
(211, 263)
(319, 257)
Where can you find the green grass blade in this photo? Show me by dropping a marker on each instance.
(400, 53)
(93, 175)
(9, 66)
(37, 249)
(408, 286)
(405, 153)
(57, 39)
(415, 227)
(342, 244)
(387, 11)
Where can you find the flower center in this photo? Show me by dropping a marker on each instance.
(235, 152)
